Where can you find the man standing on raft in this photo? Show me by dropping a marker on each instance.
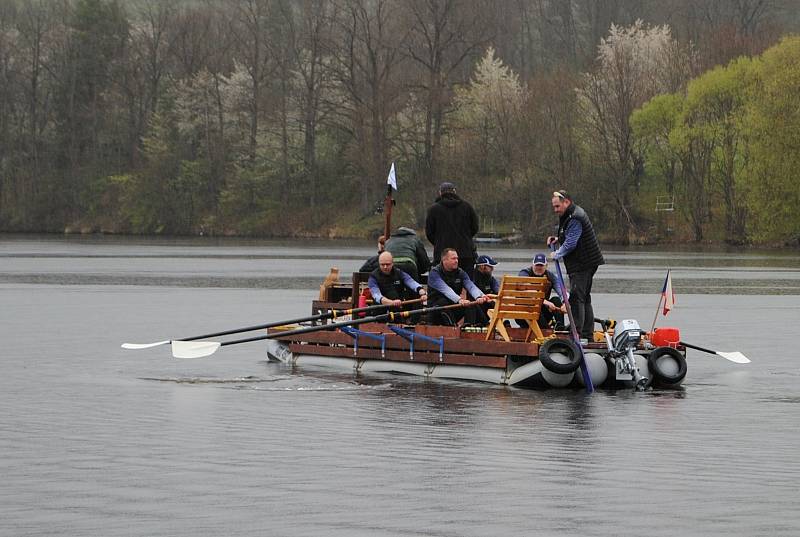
(581, 254)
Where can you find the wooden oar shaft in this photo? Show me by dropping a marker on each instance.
(320, 316)
(390, 316)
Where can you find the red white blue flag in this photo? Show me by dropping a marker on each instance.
(668, 294)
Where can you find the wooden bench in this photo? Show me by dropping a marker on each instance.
(520, 297)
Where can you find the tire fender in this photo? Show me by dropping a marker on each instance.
(565, 347)
(660, 375)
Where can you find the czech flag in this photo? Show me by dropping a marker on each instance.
(668, 294)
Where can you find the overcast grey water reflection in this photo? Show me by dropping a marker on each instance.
(96, 440)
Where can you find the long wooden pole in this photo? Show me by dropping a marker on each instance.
(388, 203)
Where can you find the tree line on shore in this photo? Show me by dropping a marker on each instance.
(666, 120)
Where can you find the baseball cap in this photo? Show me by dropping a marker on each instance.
(539, 259)
(486, 260)
(447, 187)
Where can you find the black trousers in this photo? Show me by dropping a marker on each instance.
(547, 319)
(580, 301)
(552, 319)
(478, 314)
(446, 317)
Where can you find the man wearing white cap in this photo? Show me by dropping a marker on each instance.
(553, 310)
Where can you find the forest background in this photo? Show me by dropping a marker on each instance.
(668, 120)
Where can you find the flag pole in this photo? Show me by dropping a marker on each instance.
(388, 203)
(658, 308)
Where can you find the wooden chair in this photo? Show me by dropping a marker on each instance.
(520, 297)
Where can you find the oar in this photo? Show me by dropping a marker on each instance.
(326, 315)
(199, 349)
(587, 378)
(737, 357)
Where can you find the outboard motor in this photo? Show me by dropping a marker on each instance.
(627, 336)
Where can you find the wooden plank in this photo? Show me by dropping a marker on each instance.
(422, 357)
(395, 342)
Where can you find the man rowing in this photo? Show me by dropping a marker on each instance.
(445, 283)
(389, 285)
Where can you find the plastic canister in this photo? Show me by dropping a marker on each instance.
(666, 336)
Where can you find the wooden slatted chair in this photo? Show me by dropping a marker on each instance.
(520, 297)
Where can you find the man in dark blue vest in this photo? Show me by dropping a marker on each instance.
(581, 254)
(390, 286)
(445, 283)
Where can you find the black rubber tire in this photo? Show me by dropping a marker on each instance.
(659, 376)
(566, 347)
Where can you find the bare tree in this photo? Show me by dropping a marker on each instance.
(367, 67)
(443, 34)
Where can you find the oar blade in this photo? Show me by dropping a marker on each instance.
(194, 349)
(136, 346)
(737, 357)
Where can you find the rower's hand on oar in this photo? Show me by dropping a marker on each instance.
(393, 303)
(464, 302)
(483, 299)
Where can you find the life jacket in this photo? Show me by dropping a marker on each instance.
(391, 285)
(587, 254)
(484, 282)
(454, 279)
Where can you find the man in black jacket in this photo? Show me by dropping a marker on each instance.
(452, 223)
(581, 253)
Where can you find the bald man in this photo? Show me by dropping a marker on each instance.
(390, 286)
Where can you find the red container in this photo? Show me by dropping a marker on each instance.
(666, 336)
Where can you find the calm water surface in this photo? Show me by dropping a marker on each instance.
(96, 440)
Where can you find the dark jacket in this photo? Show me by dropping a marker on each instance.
(587, 254)
(370, 264)
(406, 247)
(528, 271)
(444, 287)
(451, 223)
(487, 283)
(397, 285)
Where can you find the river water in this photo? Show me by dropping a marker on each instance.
(97, 440)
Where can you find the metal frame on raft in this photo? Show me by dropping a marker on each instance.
(449, 352)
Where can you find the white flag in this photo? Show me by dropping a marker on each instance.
(668, 294)
(392, 180)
